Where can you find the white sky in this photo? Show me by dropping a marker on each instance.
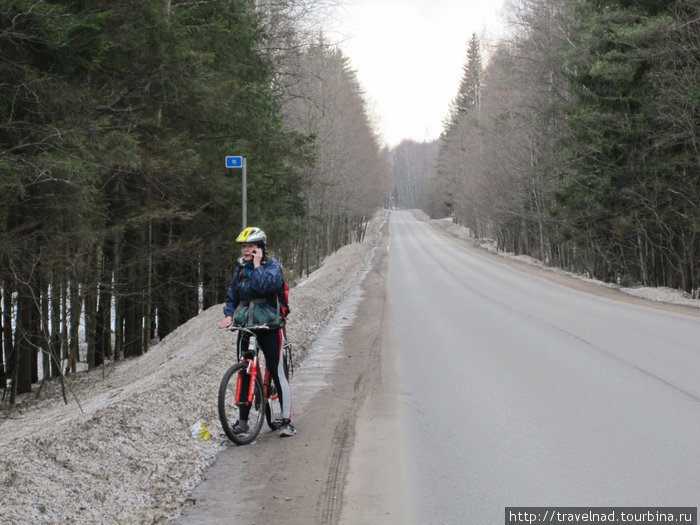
(409, 54)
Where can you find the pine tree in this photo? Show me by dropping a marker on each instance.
(469, 93)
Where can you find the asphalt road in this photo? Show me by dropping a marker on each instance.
(517, 391)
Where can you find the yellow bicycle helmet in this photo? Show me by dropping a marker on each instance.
(252, 235)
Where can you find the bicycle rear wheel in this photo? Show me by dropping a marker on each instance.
(228, 411)
(273, 408)
(288, 361)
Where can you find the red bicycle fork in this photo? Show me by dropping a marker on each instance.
(252, 372)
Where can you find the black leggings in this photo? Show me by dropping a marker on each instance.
(271, 342)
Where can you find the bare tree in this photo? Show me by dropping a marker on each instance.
(412, 165)
(350, 176)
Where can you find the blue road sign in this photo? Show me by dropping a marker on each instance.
(234, 162)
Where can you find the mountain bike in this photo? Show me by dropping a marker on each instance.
(248, 382)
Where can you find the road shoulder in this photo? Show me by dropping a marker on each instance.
(377, 488)
(302, 479)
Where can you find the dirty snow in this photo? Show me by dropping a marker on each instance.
(121, 450)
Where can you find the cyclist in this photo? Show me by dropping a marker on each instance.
(258, 276)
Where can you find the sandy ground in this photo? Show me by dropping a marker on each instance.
(121, 450)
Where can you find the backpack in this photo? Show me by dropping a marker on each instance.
(283, 299)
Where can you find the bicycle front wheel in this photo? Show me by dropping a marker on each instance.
(229, 410)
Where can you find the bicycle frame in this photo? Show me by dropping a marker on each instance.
(253, 367)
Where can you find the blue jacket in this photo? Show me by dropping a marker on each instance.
(263, 281)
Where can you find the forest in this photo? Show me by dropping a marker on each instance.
(117, 214)
(575, 140)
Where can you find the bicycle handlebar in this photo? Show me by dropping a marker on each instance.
(235, 327)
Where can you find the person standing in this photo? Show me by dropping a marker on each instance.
(259, 276)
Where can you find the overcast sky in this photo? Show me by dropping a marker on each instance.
(408, 55)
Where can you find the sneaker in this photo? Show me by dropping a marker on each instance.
(287, 429)
(240, 427)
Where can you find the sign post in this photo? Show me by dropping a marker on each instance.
(240, 162)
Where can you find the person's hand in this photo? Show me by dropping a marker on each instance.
(226, 322)
(257, 257)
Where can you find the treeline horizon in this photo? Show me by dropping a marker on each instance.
(117, 214)
(578, 142)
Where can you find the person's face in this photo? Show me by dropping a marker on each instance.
(247, 250)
